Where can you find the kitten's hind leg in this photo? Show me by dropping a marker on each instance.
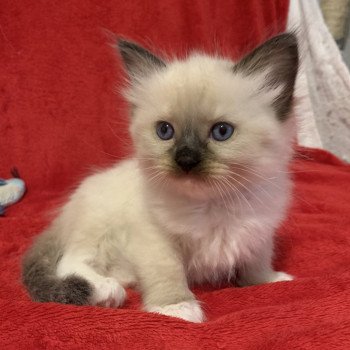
(259, 270)
(106, 291)
(251, 275)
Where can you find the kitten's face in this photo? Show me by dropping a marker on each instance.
(206, 122)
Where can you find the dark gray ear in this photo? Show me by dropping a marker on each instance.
(278, 57)
(138, 61)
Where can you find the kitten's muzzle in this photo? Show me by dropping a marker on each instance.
(187, 158)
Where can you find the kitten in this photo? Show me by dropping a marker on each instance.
(202, 197)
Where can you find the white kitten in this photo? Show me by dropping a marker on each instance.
(200, 200)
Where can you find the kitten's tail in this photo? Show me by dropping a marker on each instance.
(39, 274)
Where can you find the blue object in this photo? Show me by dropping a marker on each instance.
(11, 191)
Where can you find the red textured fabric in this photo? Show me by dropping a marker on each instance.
(59, 116)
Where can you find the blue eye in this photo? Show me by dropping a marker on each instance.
(165, 130)
(221, 131)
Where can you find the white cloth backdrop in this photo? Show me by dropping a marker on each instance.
(323, 83)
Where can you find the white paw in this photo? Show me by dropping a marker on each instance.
(187, 310)
(279, 276)
(108, 292)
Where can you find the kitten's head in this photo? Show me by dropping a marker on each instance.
(206, 120)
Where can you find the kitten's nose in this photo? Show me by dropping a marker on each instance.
(187, 158)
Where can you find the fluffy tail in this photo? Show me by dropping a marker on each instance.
(39, 274)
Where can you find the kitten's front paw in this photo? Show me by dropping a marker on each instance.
(187, 310)
(108, 292)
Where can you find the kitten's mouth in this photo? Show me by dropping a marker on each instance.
(191, 184)
(187, 176)
(196, 175)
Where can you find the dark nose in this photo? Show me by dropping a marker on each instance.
(187, 158)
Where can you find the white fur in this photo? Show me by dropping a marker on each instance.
(188, 310)
(134, 220)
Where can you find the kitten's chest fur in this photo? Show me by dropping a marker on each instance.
(214, 238)
(211, 251)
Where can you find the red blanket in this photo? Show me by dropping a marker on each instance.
(59, 116)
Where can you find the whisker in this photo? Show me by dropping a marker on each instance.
(246, 188)
(230, 198)
(155, 176)
(124, 142)
(255, 184)
(221, 195)
(249, 169)
(242, 194)
(269, 180)
(237, 192)
(101, 151)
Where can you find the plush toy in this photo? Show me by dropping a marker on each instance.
(11, 190)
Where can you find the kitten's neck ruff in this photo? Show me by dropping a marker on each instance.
(186, 205)
(243, 183)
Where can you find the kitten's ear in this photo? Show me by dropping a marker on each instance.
(277, 61)
(138, 61)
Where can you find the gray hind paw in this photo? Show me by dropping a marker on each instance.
(74, 290)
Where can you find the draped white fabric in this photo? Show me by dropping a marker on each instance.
(323, 84)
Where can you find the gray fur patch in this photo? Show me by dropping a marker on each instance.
(137, 60)
(280, 56)
(73, 290)
(39, 275)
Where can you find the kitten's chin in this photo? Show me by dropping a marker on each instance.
(192, 185)
(189, 185)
